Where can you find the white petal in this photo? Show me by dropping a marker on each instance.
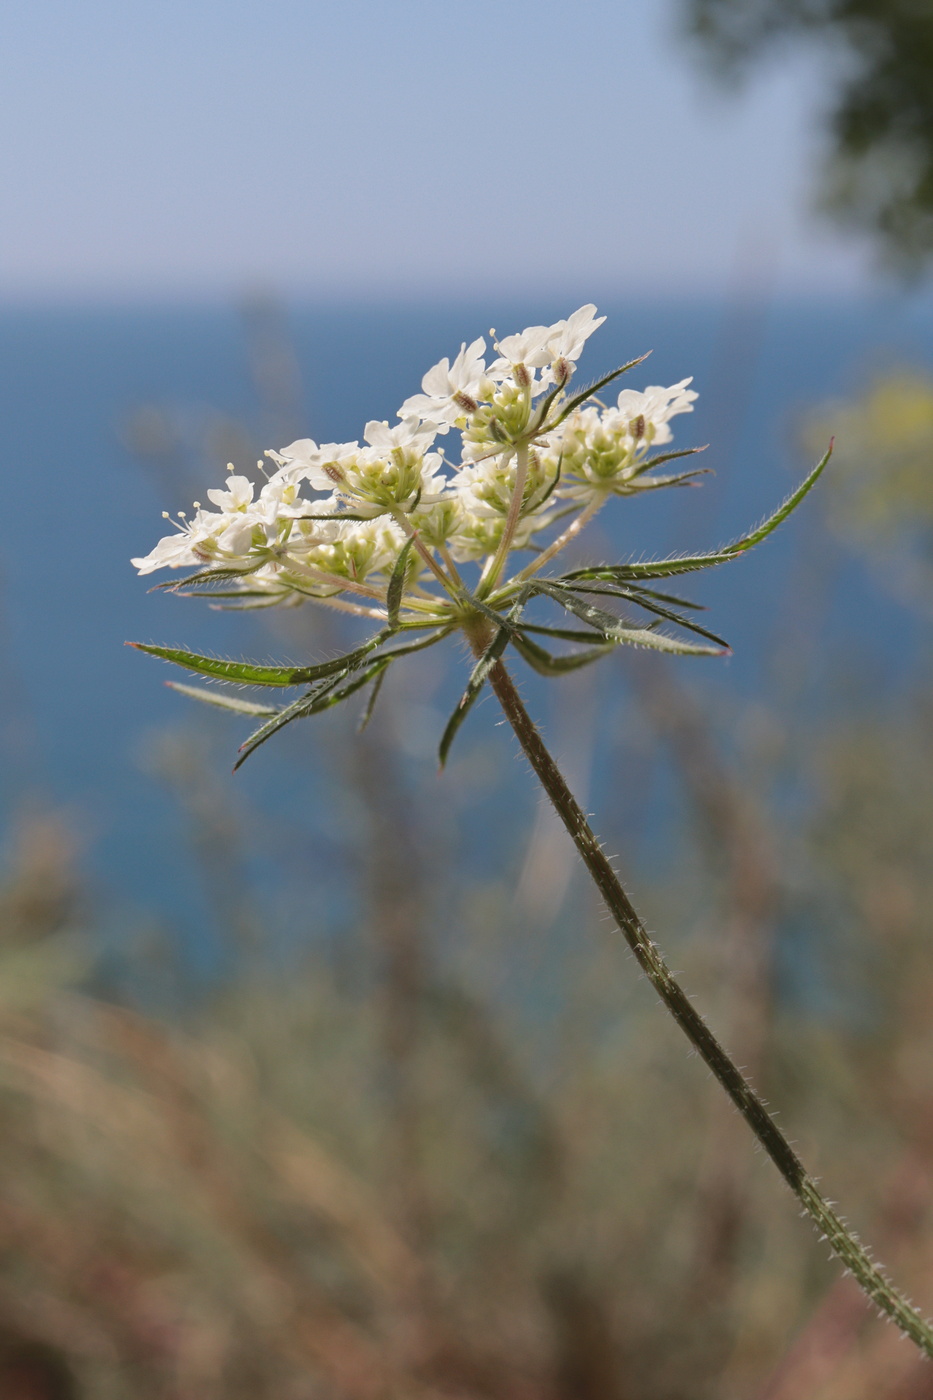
(300, 450)
(379, 435)
(437, 380)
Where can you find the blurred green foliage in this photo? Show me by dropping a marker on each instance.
(878, 175)
(881, 503)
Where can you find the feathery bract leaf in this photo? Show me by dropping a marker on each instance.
(547, 664)
(594, 388)
(221, 701)
(684, 564)
(253, 673)
(397, 583)
(484, 665)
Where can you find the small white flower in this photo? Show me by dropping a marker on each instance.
(486, 488)
(543, 347)
(411, 435)
(654, 406)
(451, 391)
(385, 474)
(334, 508)
(498, 423)
(237, 497)
(199, 541)
(530, 349)
(172, 552)
(569, 337)
(237, 531)
(436, 522)
(305, 461)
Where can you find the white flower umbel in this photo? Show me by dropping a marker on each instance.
(608, 451)
(333, 518)
(379, 526)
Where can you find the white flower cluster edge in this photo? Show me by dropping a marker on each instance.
(331, 519)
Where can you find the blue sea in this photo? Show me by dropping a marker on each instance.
(82, 387)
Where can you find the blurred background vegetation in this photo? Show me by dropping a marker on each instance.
(877, 169)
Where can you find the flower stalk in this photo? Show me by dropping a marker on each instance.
(869, 1275)
(491, 576)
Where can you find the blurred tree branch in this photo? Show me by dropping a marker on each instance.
(878, 172)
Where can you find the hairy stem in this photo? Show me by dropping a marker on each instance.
(402, 519)
(511, 521)
(342, 605)
(294, 567)
(571, 532)
(845, 1245)
(450, 565)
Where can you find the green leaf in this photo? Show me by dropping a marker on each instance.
(650, 605)
(252, 673)
(207, 576)
(672, 598)
(663, 457)
(329, 692)
(670, 616)
(549, 489)
(657, 483)
(296, 710)
(515, 611)
(322, 697)
(376, 669)
(239, 593)
(397, 583)
(547, 664)
(436, 636)
(684, 564)
(564, 634)
(346, 515)
(222, 701)
(384, 662)
(475, 684)
(616, 630)
(629, 590)
(594, 388)
(373, 697)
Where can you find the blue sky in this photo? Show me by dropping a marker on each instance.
(198, 147)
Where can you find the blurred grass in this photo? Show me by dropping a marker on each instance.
(272, 1195)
